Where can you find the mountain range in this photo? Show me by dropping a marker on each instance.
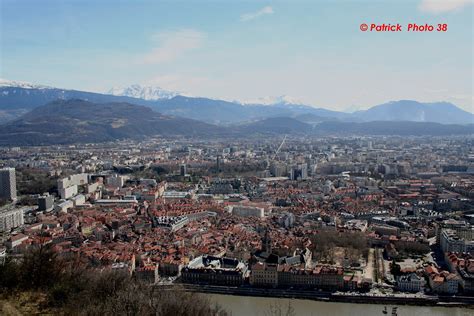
(79, 121)
(145, 93)
(16, 98)
(75, 120)
(37, 114)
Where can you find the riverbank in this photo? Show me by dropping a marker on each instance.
(263, 306)
(360, 298)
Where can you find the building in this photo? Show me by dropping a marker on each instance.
(299, 172)
(182, 170)
(286, 275)
(173, 223)
(68, 192)
(148, 273)
(219, 163)
(213, 270)
(411, 283)
(15, 241)
(45, 203)
(67, 187)
(264, 275)
(115, 181)
(463, 265)
(442, 282)
(11, 218)
(8, 184)
(247, 211)
(64, 206)
(451, 241)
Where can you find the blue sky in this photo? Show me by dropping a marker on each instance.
(312, 51)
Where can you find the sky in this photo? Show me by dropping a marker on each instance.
(313, 51)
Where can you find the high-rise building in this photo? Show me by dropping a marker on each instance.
(183, 170)
(7, 184)
(45, 203)
(219, 163)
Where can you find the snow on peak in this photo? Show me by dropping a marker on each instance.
(4, 83)
(143, 92)
(272, 100)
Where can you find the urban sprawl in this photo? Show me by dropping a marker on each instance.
(381, 215)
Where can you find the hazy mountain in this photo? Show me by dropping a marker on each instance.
(143, 92)
(407, 110)
(79, 121)
(225, 112)
(69, 121)
(401, 128)
(16, 98)
(276, 125)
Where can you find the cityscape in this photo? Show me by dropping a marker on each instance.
(357, 217)
(197, 193)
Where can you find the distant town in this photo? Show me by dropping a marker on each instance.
(362, 216)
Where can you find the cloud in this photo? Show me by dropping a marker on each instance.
(172, 44)
(254, 15)
(441, 6)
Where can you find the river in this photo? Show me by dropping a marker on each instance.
(248, 306)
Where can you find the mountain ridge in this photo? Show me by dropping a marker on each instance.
(79, 121)
(15, 101)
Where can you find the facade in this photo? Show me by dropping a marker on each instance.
(115, 181)
(247, 211)
(11, 218)
(7, 184)
(442, 282)
(264, 275)
(463, 265)
(45, 203)
(15, 241)
(67, 187)
(410, 283)
(451, 241)
(213, 270)
(285, 275)
(171, 222)
(68, 192)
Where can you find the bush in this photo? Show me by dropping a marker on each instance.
(78, 290)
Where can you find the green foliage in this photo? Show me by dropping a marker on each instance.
(34, 181)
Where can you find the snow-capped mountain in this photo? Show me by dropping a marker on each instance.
(143, 92)
(4, 83)
(272, 100)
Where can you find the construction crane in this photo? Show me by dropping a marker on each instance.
(279, 147)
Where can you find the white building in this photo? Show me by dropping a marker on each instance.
(11, 218)
(64, 206)
(68, 192)
(79, 200)
(67, 187)
(451, 241)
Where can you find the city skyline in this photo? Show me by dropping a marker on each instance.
(245, 51)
